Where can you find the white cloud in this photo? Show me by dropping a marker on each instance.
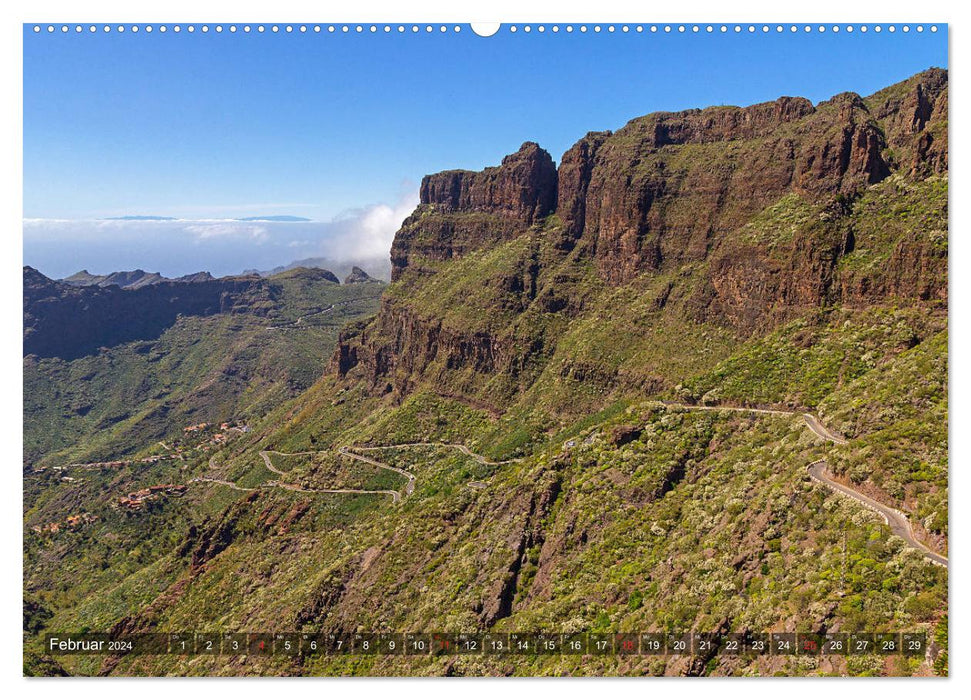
(229, 229)
(368, 232)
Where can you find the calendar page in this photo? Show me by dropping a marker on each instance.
(522, 349)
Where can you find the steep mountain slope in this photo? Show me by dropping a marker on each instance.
(538, 365)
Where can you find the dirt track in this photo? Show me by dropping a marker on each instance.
(352, 453)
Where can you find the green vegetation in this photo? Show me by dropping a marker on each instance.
(695, 520)
(782, 222)
(703, 517)
(897, 418)
(805, 361)
(893, 211)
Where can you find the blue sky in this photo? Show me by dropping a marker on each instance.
(213, 126)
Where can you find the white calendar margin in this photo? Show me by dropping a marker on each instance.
(508, 11)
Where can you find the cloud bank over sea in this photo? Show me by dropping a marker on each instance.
(175, 247)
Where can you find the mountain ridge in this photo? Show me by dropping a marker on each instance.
(130, 279)
(666, 196)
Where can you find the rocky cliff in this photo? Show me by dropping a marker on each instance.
(460, 211)
(745, 216)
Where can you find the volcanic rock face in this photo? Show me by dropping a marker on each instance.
(461, 210)
(576, 169)
(914, 117)
(401, 343)
(522, 188)
(664, 188)
(678, 195)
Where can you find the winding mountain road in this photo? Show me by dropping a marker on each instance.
(299, 321)
(351, 453)
(265, 454)
(409, 487)
(898, 522)
(212, 480)
(396, 496)
(289, 487)
(461, 448)
(821, 430)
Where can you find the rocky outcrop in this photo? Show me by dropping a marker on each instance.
(746, 288)
(717, 124)
(132, 279)
(460, 210)
(914, 119)
(666, 187)
(660, 190)
(196, 277)
(523, 187)
(358, 276)
(576, 168)
(400, 343)
(914, 269)
(499, 596)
